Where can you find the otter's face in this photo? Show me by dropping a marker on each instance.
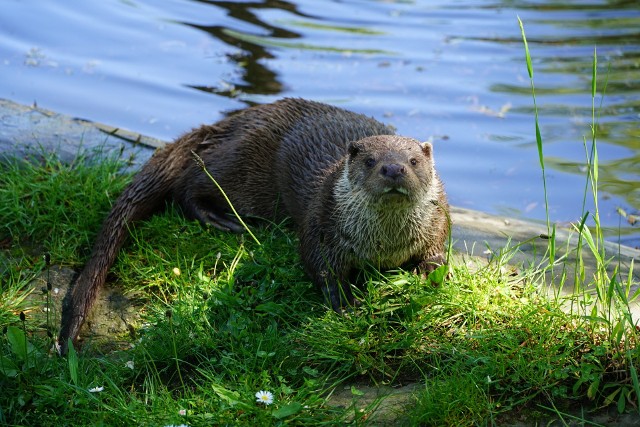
(391, 168)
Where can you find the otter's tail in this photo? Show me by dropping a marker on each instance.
(146, 194)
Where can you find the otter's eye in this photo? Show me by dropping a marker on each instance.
(370, 162)
(413, 162)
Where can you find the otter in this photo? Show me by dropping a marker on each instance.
(356, 193)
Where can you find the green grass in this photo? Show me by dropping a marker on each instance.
(224, 317)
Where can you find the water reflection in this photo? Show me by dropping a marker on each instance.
(255, 76)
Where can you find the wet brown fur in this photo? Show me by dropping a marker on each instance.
(294, 158)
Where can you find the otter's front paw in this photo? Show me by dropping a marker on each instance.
(429, 265)
(340, 297)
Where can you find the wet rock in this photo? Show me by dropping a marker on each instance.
(31, 131)
(379, 405)
(111, 323)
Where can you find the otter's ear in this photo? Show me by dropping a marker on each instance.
(354, 148)
(427, 148)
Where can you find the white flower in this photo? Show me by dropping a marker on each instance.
(182, 412)
(129, 364)
(264, 397)
(96, 389)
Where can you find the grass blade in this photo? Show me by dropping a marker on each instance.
(526, 49)
(72, 360)
(594, 73)
(634, 378)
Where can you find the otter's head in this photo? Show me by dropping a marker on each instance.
(391, 168)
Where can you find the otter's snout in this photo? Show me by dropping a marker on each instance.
(392, 170)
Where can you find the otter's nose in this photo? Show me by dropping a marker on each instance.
(392, 170)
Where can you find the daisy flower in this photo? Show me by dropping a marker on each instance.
(264, 397)
(96, 389)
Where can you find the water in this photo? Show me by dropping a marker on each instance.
(450, 72)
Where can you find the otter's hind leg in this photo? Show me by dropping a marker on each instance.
(221, 220)
(205, 211)
(224, 222)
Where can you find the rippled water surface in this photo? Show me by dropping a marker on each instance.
(450, 72)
